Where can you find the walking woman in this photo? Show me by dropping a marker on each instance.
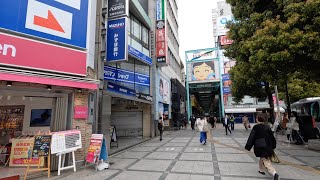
(202, 126)
(264, 143)
(160, 127)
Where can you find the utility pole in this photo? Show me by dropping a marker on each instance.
(288, 99)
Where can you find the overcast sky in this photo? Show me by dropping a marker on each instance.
(195, 24)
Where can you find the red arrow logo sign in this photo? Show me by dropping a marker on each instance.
(50, 23)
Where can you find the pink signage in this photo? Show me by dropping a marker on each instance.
(80, 112)
(224, 40)
(21, 52)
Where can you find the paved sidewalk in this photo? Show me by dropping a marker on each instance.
(180, 156)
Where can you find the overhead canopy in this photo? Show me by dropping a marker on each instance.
(240, 110)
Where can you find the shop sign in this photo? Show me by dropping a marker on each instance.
(65, 141)
(144, 97)
(226, 90)
(139, 55)
(21, 151)
(225, 77)
(20, 52)
(202, 54)
(160, 8)
(118, 8)
(41, 146)
(120, 89)
(117, 48)
(94, 148)
(61, 21)
(224, 40)
(120, 75)
(81, 112)
(161, 46)
(221, 24)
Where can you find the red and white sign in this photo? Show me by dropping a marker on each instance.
(160, 35)
(21, 52)
(161, 49)
(224, 40)
(80, 112)
(48, 19)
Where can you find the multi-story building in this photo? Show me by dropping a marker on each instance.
(170, 82)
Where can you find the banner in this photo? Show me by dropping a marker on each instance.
(202, 54)
(21, 151)
(201, 71)
(117, 35)
(164, 90)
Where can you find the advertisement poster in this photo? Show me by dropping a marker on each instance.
(21, 151)
(164, 88)
(41, 146)
(203, 71)
(94, 148)
(66, 141)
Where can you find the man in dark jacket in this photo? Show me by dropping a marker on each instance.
(193, 121)
(261, 137)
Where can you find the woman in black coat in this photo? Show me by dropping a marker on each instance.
(261, 137)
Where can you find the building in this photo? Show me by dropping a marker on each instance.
(48, 71)
(126, 65)
(170, 78)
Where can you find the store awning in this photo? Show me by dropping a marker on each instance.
(240, 110)
(77, 83)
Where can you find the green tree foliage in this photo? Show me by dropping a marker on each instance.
(273, 39)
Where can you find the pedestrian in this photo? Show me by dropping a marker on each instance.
(193, 121)
(215, 121)
(184, 122)
(160, 127)
(264, 143)
(284, 121)
(232, 122)
(226, 124)
(245, 122)
(202, 126)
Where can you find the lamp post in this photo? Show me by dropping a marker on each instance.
(288, 99)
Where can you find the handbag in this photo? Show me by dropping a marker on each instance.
(205, 128)
(274, 158)
(260, 143)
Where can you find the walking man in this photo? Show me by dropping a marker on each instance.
(226, 124)
(232, 122)
(160, 127)
(193, 121)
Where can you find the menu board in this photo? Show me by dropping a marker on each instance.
(65, 141)
(41, 145)
(94, 148)
(21, 151)
(11, 118)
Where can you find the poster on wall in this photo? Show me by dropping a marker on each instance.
(21, 151)
(94, 148)
(164, 88)
(203, 71)
(65, 141)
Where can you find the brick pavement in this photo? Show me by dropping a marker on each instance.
(181, 156)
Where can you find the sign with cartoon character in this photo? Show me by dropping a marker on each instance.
(203, 71)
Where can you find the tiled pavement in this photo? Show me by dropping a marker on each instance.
(181, 156)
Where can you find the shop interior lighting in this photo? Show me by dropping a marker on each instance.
(9, 83)
(49, 88)
(79, 90)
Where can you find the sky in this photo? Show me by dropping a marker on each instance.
(195, 24)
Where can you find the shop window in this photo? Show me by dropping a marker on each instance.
(126, 65)
(142, 68)
(138, 33)
(142, 89)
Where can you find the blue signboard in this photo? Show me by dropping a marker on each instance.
(142, 79)
(117, 40)
(225, 77)
(120, 75)
(59, 20)
(226, 90)
(139, 55)
(120, 89)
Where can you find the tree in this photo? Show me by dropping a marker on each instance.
(272, 41)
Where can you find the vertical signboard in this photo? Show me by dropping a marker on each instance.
(117, 48)
(161, 46)
(118, 8)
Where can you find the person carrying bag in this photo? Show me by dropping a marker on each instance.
(264, 143)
